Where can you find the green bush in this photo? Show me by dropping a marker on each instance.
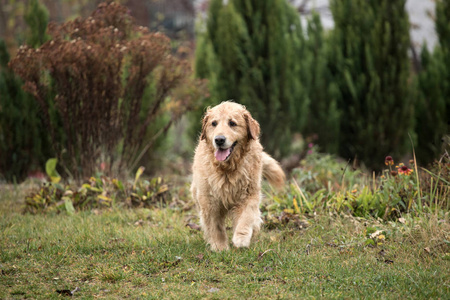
(109, 90)
(24, 144)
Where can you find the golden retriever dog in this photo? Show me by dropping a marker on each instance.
(228, 166)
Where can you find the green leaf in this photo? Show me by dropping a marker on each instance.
(370, 230)
(69, 206)
(50, 169)
(297, 209)
(118, 184)
(138, 174)
(369, 242)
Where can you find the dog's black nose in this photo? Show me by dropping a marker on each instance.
(220, 140)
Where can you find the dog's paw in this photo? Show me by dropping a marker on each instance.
(217, 247)
(242, 240)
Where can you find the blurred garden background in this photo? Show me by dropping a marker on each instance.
(91, 88)
(100, 111)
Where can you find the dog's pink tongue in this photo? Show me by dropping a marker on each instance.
(222, 154)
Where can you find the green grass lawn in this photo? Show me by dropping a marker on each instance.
(151, 254)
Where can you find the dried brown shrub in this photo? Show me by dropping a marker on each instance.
(104, 85)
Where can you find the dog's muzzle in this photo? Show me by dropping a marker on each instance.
(222, 154)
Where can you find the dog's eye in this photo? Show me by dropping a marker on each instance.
(214, 123)
(232, 124)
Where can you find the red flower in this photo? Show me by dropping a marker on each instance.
(389, 161)
(405, 170)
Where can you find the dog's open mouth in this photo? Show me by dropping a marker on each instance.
(223, 154)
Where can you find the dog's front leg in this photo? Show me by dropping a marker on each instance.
(247, 220)
(212, 220)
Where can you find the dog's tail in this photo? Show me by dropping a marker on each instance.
(272, 171)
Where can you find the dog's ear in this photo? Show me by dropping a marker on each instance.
(252, 126)
(204, 124)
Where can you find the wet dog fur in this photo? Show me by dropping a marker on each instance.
(228, 166)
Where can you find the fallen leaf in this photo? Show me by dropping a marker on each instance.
(346, 251)
(213, 290)
(64, 292)
(68, 292)
(289, 211)
(375, 234)
(274, 238)
(193, 226)
(286, 216)
(261, 254)
(308, 249)
(381, 237)
(385, 260)
(117, 240)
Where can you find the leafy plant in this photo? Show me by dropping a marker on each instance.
(398, 191)
(323, 183)
(319, 180)
(97, 192)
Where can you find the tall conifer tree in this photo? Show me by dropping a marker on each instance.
(24, 143)
(369, 61)
(433, 112)
(324, 117)
(251, 53)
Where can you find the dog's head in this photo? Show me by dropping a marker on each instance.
(228, 126)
